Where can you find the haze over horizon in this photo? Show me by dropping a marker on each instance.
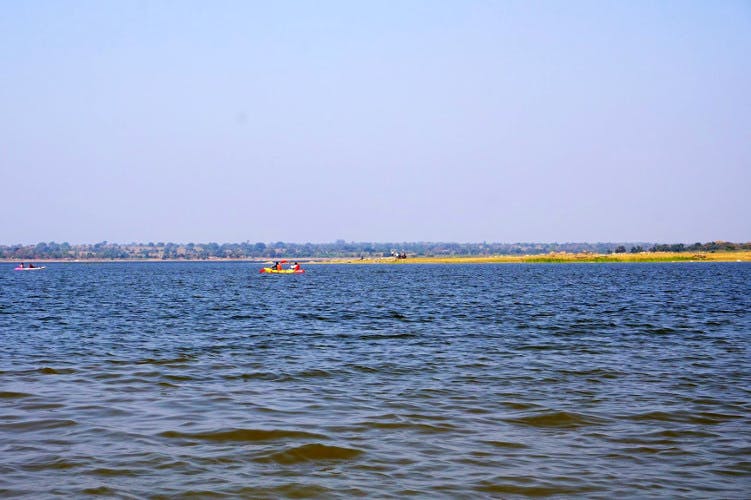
(436, 121)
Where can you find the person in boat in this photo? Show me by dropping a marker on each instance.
(31, 266)
(277, 266)
(296, 267)
(21, 265)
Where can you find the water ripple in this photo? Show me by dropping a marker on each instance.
(241, 435)
(167, 380)
(311, 452)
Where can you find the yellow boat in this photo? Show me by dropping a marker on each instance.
(283, 271)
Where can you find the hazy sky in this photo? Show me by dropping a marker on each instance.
(399, 120)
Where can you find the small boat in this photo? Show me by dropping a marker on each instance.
(282, 271)
(29, 268)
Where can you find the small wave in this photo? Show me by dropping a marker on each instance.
(742, 469)
(241, 435)
(290, 490)
(55, 463)
(671, 433)
(165, 361)
(108, 472)
(176, 465)
(538, 347)
(311, 453)
(704, 418)
(559, 419)
(387, 336)
(516, 405)
(658, 438)
(14, 395)
(658, 416)
(317, 317)
(179, 378)
(409, 425)
(237, 317)
(363, 368)
(252, 376)
(41, 406)
(314, 373)
(55, 371)
(534, 490)
(100, 490)
(507, 444)
(709, 418)
(397, 315)
(595, 373)
(641, 450)
(663, 330)
(36, 425)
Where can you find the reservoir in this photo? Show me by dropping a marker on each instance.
(386, 381)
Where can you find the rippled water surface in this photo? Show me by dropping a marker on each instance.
(171, 379)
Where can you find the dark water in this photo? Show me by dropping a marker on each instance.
(177, 379)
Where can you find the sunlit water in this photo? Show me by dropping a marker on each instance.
(170, 379)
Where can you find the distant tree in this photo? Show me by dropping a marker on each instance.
(259, 247)
(40, 250)
(620, 249)
(212, 249)
(637, 249)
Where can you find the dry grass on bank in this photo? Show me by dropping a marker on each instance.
(562, 257)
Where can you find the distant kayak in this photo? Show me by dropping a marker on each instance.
(283, 271)
(29, 268)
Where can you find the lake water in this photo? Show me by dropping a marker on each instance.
(441, 381)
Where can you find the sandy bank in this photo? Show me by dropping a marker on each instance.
(560, 258)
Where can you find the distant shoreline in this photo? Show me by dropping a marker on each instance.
(559, 257)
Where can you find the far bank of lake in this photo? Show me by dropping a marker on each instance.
(553, 257)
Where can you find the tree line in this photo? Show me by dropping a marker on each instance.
(338, 249)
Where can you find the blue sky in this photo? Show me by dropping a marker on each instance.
(375, 121)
